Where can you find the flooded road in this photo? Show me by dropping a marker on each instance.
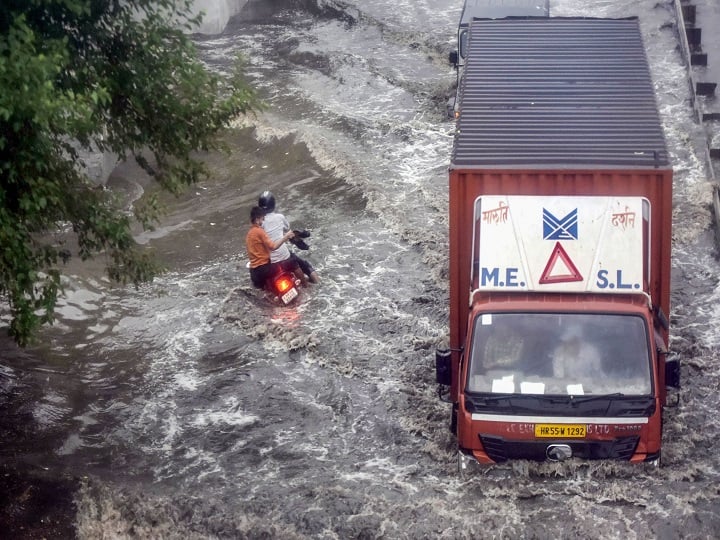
(190, 408)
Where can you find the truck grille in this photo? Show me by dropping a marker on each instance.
(499, 449)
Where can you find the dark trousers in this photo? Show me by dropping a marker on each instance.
(260, 274)
(305, 266)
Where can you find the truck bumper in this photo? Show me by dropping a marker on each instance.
(498, 450)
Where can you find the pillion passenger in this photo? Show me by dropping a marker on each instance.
(276, 225)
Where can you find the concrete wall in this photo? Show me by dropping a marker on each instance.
(701, 51)
(217, 13)
(98, 166)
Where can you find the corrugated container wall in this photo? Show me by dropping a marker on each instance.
(557, 106)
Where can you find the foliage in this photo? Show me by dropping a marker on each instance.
(119, 76)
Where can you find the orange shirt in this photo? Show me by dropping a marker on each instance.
(258, 245)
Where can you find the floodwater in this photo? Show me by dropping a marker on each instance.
(191, 408)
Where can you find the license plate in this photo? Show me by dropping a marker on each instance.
(289, 296)
(560, 430)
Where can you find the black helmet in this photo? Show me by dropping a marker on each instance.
(267, 201)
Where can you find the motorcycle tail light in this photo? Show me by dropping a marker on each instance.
(283, 284)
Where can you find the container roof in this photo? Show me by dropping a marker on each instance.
(557, 93)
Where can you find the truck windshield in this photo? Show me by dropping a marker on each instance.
(565, 354)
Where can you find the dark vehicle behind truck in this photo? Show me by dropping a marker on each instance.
(487, 9)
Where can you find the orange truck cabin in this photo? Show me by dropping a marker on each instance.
(560, 215)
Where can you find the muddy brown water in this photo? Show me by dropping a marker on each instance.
(190, 408)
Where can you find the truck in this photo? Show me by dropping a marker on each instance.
(560, 224)
(486, 9)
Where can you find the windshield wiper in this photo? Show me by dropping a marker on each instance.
(494, 397)
(583, 398)
(586, 398)
(510, 402)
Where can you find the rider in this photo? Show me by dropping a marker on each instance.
(276, 225)
(259, 247)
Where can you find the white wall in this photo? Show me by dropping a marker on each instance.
(217, 14)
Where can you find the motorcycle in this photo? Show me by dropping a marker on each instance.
(283, 286)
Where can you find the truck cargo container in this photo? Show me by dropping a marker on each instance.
(560, 213)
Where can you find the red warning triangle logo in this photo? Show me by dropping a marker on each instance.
(559, 268)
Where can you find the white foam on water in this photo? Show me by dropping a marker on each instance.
(230, 414)
(345, 421)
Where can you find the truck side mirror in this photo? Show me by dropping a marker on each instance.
(453, 58)
(672, 373)
(443, 369)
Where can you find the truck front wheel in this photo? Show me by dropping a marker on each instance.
(656, 461)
